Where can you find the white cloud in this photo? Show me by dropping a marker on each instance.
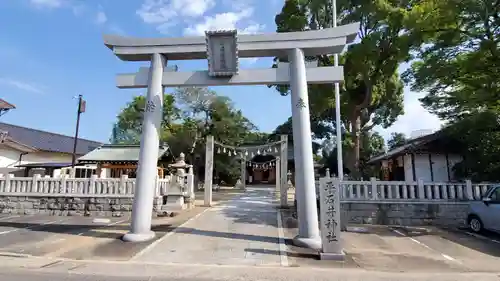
(114, 28)
(22, 85)
(223, 21)
(48, 3)
(101, 17)
(251, 29)
(162, 11)
(78, 9)
(415, 118)
(193, 17)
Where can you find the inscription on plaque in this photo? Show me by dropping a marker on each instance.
(330, 215)
(222, 53)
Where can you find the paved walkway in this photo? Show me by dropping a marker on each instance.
(241, 231)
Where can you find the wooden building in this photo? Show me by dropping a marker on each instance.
(429, 158)
(114, 160)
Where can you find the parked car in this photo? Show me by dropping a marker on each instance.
(485, 214)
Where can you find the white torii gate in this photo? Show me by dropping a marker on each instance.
(222, 49)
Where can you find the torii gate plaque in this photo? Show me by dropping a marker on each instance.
(223, 48)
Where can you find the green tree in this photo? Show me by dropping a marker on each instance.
(372, 93)
(286, 129)
(459, 68)
(460, 64)
(480, 138)
(128, 128)
(205, 113)
(190, 115)
(396, 139)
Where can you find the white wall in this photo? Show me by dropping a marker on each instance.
(9, 158)
(423, 170)
(439, 167)
(422, 167)
(407, 167)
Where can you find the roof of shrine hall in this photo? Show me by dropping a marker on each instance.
(117, 153)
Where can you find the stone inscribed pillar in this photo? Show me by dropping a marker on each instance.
(329, 192)
(283, 171)
(243, 172)
(278, 177)
(209, 169)
(148, 156)
(303, 155)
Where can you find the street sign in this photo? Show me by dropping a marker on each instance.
(222, 53)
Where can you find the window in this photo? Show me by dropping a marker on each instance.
(495, 195)
(84, 172)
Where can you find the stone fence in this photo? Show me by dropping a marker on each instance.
(418, 190)
(453, 214)
(402, 203)
(89, 196)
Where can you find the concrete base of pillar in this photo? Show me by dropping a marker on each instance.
(332, 256)
(138, 237)
(175, 202)
(311, 243)
(189, 202)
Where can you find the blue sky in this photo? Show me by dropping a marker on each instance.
(52, 50)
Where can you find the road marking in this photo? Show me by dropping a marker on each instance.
(101, 220)
(482, 237)
(168, 234)
(425, 246)
(448, 257)
(31, 227)
(9, 217)
(282, 245)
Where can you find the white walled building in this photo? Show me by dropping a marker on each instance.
(25, 151)
(429, 158)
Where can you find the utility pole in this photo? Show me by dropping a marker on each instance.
(340, 164)
(81, 109)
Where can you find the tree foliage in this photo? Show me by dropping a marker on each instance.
(128, 128)
(459, 68)
(190, 115)
(372, 93)
(396, 139)
(459, 65)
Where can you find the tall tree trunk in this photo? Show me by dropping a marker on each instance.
(357, 145)
(354, 153)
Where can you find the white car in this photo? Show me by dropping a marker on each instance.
(485, 214)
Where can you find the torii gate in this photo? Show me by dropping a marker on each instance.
(223, 49)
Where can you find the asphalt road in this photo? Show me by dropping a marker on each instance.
(277, 275)
(39, 276)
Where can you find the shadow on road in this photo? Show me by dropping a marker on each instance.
(229, 235)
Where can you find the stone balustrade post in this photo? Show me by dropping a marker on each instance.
(421, 191)
(374, 189)
(92, 183)
(34, 184)
(123, 185)
(468, 190)
(8, 182)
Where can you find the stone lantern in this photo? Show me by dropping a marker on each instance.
(179, 186)
(289, 179)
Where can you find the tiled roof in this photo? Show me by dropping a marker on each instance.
(116, 153)
(408, 146)
(47, 141)
(5, 105)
